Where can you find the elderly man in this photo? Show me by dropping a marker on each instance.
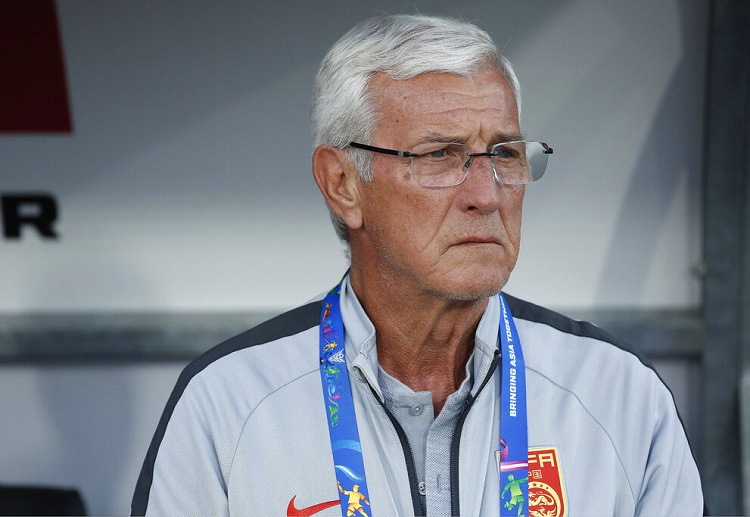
(405, 387)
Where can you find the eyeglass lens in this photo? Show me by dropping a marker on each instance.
(444, 165)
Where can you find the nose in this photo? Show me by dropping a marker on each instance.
(482, 191)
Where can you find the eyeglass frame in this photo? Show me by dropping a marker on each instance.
(407, 154)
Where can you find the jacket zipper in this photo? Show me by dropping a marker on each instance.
(456, 440)
(418, 501)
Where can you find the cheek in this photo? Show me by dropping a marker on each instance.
(411, 213)
(387, 214)
(511, 210)
(431, 220)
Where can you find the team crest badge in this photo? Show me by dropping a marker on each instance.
(546, 490)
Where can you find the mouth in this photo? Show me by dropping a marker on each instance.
(479, 240)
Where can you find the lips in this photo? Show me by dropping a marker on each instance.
(479, 240)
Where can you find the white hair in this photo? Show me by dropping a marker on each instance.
(403, 47)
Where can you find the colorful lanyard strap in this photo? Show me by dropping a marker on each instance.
(342, 423)
(513, 455)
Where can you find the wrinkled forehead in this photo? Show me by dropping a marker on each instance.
(444, 99)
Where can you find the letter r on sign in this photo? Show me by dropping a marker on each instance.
(37, 210)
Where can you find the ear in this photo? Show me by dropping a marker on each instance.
(339, 182)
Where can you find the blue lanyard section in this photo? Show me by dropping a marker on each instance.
(342, 421)
(514, 447)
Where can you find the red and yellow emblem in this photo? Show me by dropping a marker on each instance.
(546, 491)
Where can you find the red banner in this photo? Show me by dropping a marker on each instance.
(33, 89)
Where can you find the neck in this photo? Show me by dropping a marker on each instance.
(423, 340)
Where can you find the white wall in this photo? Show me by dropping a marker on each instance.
(186, 183)
(186, 186)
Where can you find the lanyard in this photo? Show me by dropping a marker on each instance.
(342, 422)
(514, 448)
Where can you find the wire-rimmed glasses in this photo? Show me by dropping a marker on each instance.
(440, 164)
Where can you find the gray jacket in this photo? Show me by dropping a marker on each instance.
(245, 430)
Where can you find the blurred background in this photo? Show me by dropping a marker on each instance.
(157, 198)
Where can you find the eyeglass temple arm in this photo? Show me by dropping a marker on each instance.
(381, 150)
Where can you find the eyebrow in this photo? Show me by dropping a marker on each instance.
(497, 138)
(441, 137)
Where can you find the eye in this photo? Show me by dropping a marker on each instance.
(440, 152)
(507, 152)
(502, 152)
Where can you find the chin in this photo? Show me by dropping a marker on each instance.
(479, 271)
(478, 285)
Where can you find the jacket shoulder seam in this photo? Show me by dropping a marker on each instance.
(250, 414)
(528, 311)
